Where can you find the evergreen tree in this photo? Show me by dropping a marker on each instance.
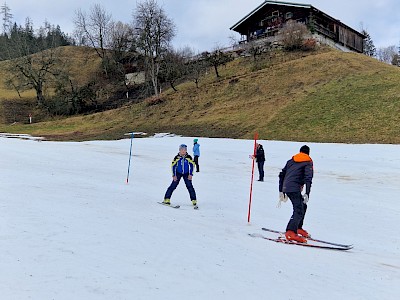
(369, 47)
(396, 60)
(398, 56)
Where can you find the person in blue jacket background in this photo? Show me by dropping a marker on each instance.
(182, 167)
(196, 153)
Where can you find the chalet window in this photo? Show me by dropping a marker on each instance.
(275, 13)
(289, 15)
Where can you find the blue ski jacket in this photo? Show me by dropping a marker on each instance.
(182, 165)
(196, 149)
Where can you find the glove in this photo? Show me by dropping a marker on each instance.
(282, 198)
(305, 198)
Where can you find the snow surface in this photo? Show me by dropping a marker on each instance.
(71, 228)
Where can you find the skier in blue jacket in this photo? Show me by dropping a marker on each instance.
(196, 153)
(182, 167)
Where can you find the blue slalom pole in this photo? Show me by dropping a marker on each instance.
(130, 155)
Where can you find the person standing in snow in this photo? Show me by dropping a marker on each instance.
(260, 159)
(182, 167)
(196, 153)
(297, 172)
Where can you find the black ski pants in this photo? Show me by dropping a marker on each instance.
(299, 211)
(196, 161)
(260, 165)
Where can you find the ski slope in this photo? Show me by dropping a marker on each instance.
(71, 228)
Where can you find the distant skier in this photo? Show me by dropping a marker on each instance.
(196, 153)
(260, 159)
(297, 172)
(182, 167)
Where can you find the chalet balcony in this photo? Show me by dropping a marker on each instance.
(325, 31)
(265, 32)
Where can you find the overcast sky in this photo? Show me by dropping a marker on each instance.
(204, 24)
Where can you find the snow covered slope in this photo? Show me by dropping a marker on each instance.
(71, 228)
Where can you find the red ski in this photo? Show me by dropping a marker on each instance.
(282, 240)
(310, 239)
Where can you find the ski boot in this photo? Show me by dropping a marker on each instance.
(291, 236)
(303, 233)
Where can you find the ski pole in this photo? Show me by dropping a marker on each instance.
(130, 155)
(252, 175)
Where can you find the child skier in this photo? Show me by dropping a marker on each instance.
(182, 167)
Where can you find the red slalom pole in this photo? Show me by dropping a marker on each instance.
(252, 175)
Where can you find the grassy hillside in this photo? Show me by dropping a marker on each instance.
(81, 65)
(81, 62)
(327, 96)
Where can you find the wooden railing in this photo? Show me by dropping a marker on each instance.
(325, 31)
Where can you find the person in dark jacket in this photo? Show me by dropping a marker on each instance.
(297, 172)
(182, 167)
(260, 159)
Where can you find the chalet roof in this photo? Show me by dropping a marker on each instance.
(269, 2)
(301, 5)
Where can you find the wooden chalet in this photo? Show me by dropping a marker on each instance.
(266, 20)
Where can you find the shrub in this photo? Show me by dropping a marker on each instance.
(293, 34)
(309, 44)
(154, 101)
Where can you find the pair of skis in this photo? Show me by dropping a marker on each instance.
(176, 206)
(312, 242)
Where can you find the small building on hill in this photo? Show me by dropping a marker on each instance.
(267, 19)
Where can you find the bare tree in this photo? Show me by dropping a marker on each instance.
(196, 69)
(122, 48)
(6, 14)
(386, 54)
(35, 71)
(254, 49)
(293, 34)
(233, 41)
(155, 32)
(121, 38)
(93, 30)
(173, 67)
(217, 58)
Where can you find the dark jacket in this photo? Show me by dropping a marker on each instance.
(297, 172)
(260, 155)
(182, 165)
